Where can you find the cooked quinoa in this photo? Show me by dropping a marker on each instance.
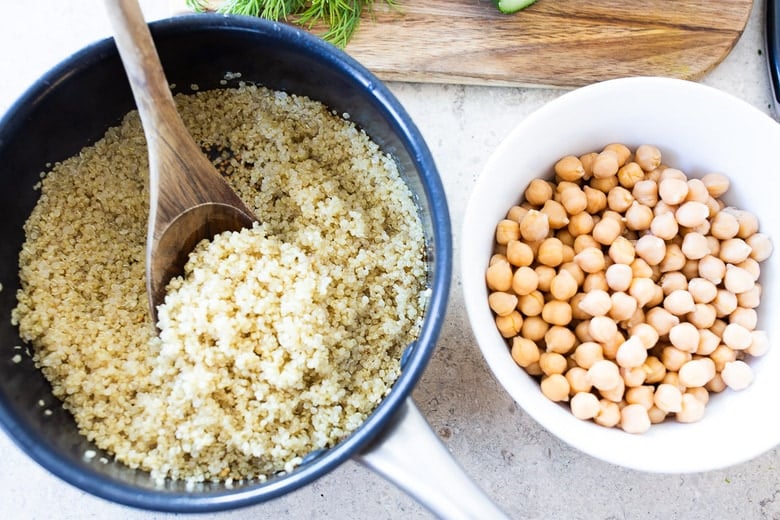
(277, 341)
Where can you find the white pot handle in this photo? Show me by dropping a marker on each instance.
(410, 455)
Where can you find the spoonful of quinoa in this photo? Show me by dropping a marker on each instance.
(188, 199)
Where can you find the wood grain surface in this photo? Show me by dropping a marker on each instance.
(563, 43)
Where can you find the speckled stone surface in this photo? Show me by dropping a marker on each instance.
(522, 467)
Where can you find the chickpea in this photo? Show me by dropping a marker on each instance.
(684, 336)
(747, 318)
(519, 254)
(604, 375)
(582, 242)
(556, 312)
(622, 152)
(697, 191)
(595, 281)
(534, 328)
(737, 280)
(737, 337)
(708, 342)
(619, 277)
(569, 168)
(718, 327)
(605, 164)
(596, 303)
(702, 290)
(587, 353)
(761, 246)
(631, 353)
(574, 270)
(578, 380)
(580, 224)
(584, 405)
(692, 409)
(648, 157)
(555, 387)
(750, 298)
(559, 339)
(506, 231)
(534, 227)
(573, 199)
(668, 398)
(552, 363)
(697, 372)
(516, 213)
(725, 303)
(751, 266)
(629, 174)
(590, 260)
(679, 302)
(619, 199)
(695, 246)
(672, 190)
(716, 384)
(672, 173)
(760, 343)
(623, 306)
(734, 250)
(639, 217)
(633, 377)
(531, 304)
(673, 281)
(582, 332)
(604, 184)
(524, 281)
(651, 249)
(615, 394)
(634, 419)
(622, 251)
(609, 414)
(642, 290)
(524, 351)
(673, 358)
(700, 393)
(606, 230)
(556, 214)
(721, 356)
(499, 276)
(664, 226)
(656, 415)
(502, 303)
(712, 268)
(587, 164)
(674, 260)
(612, 345)
(545, 274)
(654, 369)
(509, 325)
(703, 316)
(646, 193)
(538, 192)
(563, 286)
(716, 184)
(724, 226)
(748, 224)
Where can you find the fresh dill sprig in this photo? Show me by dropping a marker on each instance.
(340, 17)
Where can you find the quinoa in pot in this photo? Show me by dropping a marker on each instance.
(277, 341)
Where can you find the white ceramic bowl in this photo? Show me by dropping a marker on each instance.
(699, 130)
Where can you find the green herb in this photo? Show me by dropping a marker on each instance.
(341, 17)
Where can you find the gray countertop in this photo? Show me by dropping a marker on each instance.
(526, 470)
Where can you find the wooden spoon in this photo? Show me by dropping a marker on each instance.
(188, 199)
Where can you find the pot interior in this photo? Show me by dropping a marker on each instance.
(73, 106)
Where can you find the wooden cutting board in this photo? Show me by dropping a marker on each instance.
(564, 43)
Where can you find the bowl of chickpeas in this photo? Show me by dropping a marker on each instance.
(620, 277)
